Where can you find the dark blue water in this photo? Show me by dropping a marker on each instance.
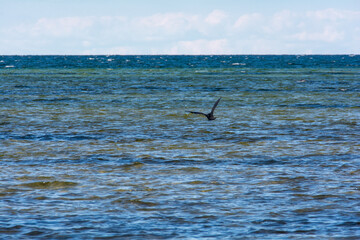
(101, 147)
(168, 61)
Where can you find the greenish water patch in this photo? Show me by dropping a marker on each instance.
(50, 185)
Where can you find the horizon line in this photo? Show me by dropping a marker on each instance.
(225, 54)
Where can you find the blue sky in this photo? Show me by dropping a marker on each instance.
(179, 27)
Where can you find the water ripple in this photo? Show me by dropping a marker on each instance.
(106, 149)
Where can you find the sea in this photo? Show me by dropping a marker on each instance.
(102, 147)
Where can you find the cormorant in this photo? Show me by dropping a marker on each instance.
(210, 116)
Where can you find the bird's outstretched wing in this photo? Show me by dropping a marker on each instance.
(215, 105)
(197, 113)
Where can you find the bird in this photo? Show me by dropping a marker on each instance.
(210, 115)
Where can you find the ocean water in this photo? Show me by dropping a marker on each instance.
(101, 147)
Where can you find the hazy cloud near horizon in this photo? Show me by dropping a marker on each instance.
(324, 31)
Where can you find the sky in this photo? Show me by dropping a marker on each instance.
(86, 27)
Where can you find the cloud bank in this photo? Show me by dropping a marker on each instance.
(284, 32)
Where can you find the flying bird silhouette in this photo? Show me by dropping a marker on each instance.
(210, 115)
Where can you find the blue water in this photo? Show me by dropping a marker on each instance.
(101, 147)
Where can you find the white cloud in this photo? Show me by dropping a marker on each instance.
(70, 26)
(215, 32)
(283, 20)
(248, 21)
(168, 23)
(201, 46)
(331, 14)
(86, 43)
(61, 26)
(215, 17)
(328, 34)
(328, 26)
